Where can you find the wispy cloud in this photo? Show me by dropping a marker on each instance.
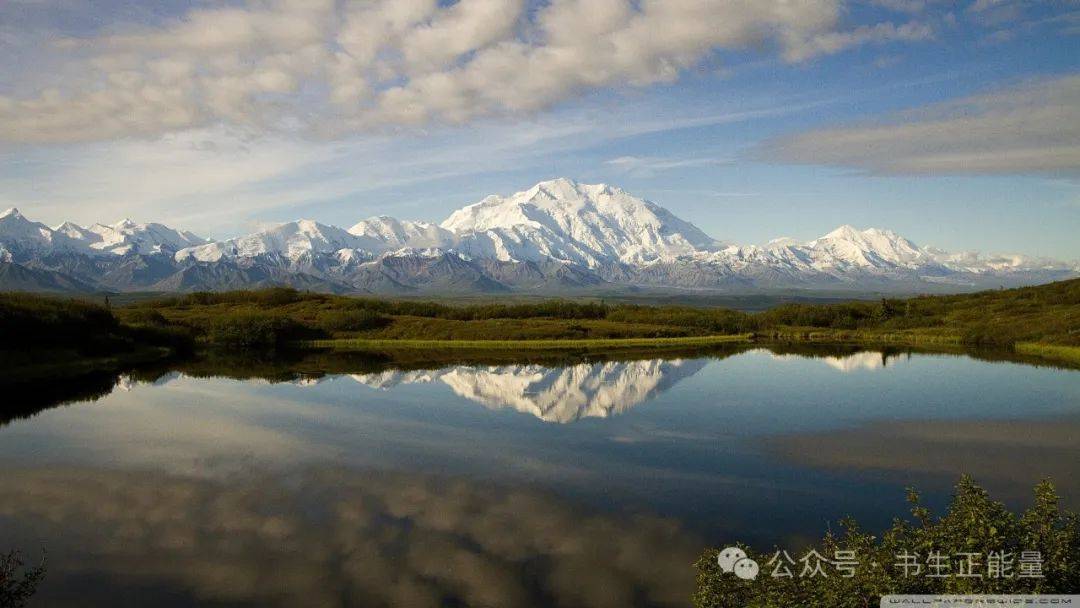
(1032, 128)
(218, 181)
(652, 164)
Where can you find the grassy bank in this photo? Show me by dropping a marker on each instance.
(364, 344)
(1050, 352)
(914, 337)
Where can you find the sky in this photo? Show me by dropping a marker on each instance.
(957, 124)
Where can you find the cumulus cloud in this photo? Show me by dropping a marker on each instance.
(330, 67)
(1032, 128)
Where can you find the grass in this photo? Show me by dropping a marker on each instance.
(912, 337)
(1052, 352)
(518, 345)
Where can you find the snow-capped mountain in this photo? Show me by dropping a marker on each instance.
(590, 225)
(847, 247)
(291, 240)
(127, 236)
(387, 233)
(304, 238)
(124, 237)
(558, 235)
(19, 234)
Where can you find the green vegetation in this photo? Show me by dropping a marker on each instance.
(17, 583)
(1038, 317)
(52, 335)
(1035, 322)
(1070, 354)
(973, 525)
(565, 344)
(1046, 313)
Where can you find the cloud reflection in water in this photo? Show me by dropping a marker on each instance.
(332, 537)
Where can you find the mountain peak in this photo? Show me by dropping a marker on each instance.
(12, 212)
(589, 224)
(308, 225)
(783, 241)
(558, 182)
(848, 246)
(846, 232)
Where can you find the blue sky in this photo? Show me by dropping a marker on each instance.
(956, 124)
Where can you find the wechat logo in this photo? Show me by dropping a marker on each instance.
(734, 559)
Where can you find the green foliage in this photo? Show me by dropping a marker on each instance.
(709, 320)
(554, 309)
(141, 316)
(1045, 314)
(29, 321)
(974, 524)
(39, 329)
(851, 315)
(273, 296)
(350, 320)
(254, 329)
(17, 583)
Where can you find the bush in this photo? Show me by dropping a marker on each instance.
(973, 524)
(177, 338)
(273, 296)
(29, 321)
(142, 316)
(253, 329)
(17, 583)
(350, 320)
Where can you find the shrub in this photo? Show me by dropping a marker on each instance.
(17, 583)
(29, 321)
(974, 524)
(142, 316)
(177, 338)
(350, 320)
(253, 329)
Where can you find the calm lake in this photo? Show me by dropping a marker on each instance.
(578, 483)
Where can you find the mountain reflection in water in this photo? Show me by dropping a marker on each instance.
(581, 481)
(552, 394)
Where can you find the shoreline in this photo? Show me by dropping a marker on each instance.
(362, 344)
(1026, 352)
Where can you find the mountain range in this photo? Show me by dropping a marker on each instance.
(557, 236)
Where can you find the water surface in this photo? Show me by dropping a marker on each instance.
(588, 483)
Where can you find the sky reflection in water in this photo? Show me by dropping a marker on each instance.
(587, 484)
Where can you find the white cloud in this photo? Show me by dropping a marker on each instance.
(332, 67)
(833, 42)
(220, 183)
(1033, 128)
(653, 164)
(904, 6)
